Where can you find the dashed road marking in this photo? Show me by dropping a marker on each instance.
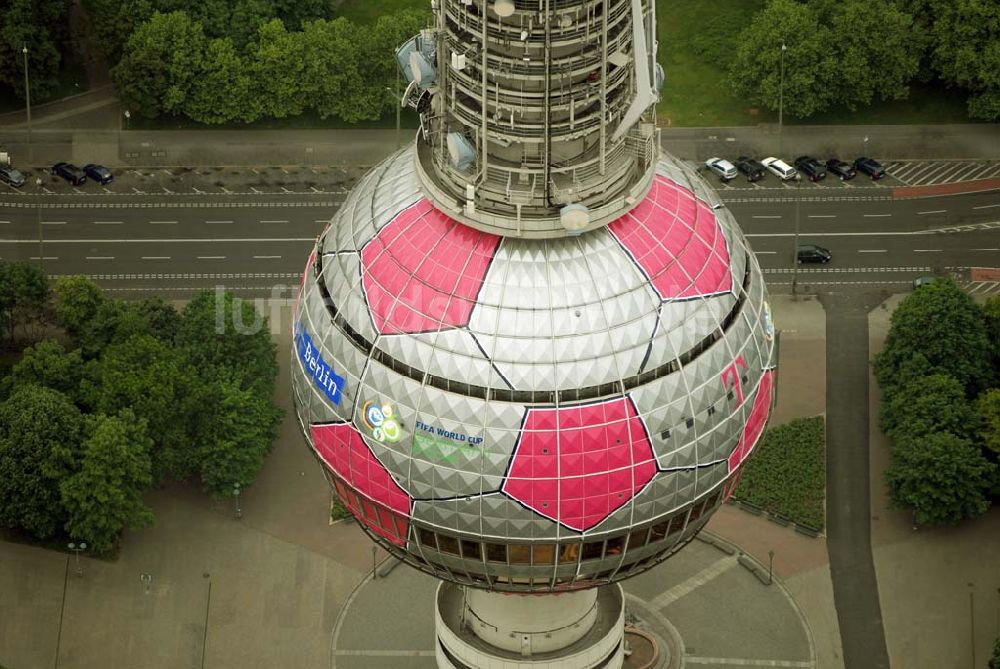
(163, 222)
(927, 250)
(156, 257)
(211, 257)
(768, 216)
(936, 211)
(876, 215)
(53, 222)
(100, 257)
(743, 662)
(108, 222)
(822, 216)
(987, 206)
(275, 221)
(873, 250)
(267, 257)
(218, 222)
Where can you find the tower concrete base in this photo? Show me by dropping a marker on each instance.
(477, 629)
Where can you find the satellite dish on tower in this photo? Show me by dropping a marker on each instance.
(503, 8)
(461, 152)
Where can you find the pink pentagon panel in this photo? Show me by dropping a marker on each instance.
(755, 423)
(423, 271)
(578, 464)
(677, 241)
(341, 447)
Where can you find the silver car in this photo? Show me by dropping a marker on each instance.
(722, 167)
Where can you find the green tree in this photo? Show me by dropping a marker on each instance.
(40, 436)
(114, 21)
(115, 321)
(989, 414)
(277, 66)
(995, 658)
(154, 380)
(875, 49)
(224, 91)
(941, 322)
(225, 337)
(48, 364)
(333, 79)
(926, 404)
(41, 25)
(811, 70)
(24, 295)
(966, 51)
(239, 426)
(77, 300)
(160, 63)
(105, 495)
(941, 478)
(991, 312)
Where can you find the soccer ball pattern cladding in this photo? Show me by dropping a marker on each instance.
(532, 415)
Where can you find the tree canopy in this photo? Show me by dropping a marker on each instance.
(940, 477)
(105, 495)
(942, 323)
(926, 404)
(42, 27)
(24, 295)
(40, 437)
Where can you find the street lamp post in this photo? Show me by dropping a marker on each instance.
(27, 100)
(781, 99)
(398, 106)
(236, 496)
(795, 251)
(38, 221)
(77, 548)
(128, 119)
(770, 566)
(374, 563)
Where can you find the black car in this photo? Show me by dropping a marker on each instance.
(870, 167)
(12, 176)
(99, 173)
(811, 167)
(813, 253)
(750, 168)
(69, 172)
(841, 169)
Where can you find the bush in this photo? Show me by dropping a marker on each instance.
(787, 473)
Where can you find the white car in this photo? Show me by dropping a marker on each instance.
(725, 169)
(779, 168)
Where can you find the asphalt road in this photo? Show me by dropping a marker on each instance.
(251, 243)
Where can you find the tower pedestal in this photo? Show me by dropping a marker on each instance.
(577, 630)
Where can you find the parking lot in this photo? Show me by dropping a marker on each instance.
(274, 179)
(933, 172)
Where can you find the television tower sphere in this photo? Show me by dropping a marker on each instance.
(532, 353)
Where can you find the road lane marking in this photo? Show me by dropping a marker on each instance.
(873, 250)
(327, 220)
(108, 222)
(44, 258)
(218, 222)
(987, 206)
(765, 253)
(4, 222)
(986, 249)
(927, 250)
(53, 222)
(100, 257)
(156, 257)
(266, 257)
(822, 216)
(274, 221)
(766, 216)
(163, 222)
(936, 211)
(876, 215)
(211, 257)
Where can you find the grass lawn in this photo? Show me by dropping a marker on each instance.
(787, 474)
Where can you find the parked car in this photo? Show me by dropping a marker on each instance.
(843, 170)
(779, 168)
(12, 176)
(811, 167)
(813, 253)
(870, 167)
(750, 168)
(722, 167)
(70, 173)
(98, 173)
(924, 280)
